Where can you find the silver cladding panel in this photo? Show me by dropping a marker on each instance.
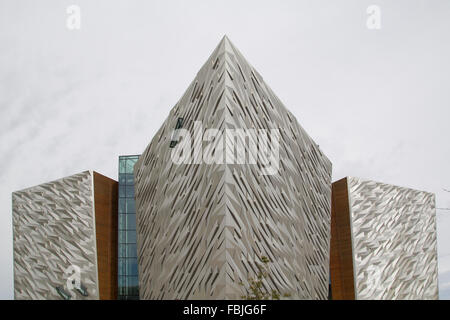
(200, 227)
(394, 241)
(54, 228)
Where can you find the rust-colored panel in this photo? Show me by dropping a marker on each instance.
(105, 197)
(341, 259)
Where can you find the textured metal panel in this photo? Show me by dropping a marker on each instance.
(202, 226)
(394, 241)
(54, 228)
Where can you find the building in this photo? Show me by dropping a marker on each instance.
(65, 239)
(230, 177)
(127, 264)
(383, 242)
(202, 226)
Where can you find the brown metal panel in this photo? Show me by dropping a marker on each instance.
(106, 216)
(341, 257)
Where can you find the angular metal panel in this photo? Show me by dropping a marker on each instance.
(53, 229)
(201, 227)
(394, 241)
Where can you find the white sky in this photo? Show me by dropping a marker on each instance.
(376, 101)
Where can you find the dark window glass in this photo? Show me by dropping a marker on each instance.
(123, 292)
(174, 139)
(132, 281)
(128, 286)
(131, 236)
(130, 191)
(132, 250)
(122, 206)
(129, 250)
(121, 191)
(122, 164)
(130, 165)
(122, 251)
(131, 222)
(122, 267)
(122, 236)
(179, 123)
(131, 206)
(129, 179)
(132, 268)
(132, 291)
(122, 221)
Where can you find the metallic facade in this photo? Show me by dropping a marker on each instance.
(201, 227)
(54, 233)
(393, 240)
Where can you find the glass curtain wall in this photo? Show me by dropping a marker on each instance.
(128, 265)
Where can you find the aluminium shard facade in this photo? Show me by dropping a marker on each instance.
(383, 242)
(61, 226)
(201, 228)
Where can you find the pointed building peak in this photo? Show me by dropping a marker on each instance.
(225, 43)
(225, 38)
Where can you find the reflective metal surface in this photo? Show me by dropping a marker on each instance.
(394, 241)
(201, 227)
(54, 231)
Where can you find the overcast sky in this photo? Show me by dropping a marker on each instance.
(376, 101)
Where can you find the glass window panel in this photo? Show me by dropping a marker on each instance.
(128, 251)
(122, 221)
(122, 191)
(130, 165)
(131, 250)
(122, 250)
(122, 206)
(129, 178)
(132, 268)
(131, 205)
(122, 236)
(133, 291)
(131, 236)
(127, 262)
(130, 191)
(122, 267)
(123, 291)
(131, 221)
(132, 281)
(122, 165)
(128, 291)
(122, 281)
